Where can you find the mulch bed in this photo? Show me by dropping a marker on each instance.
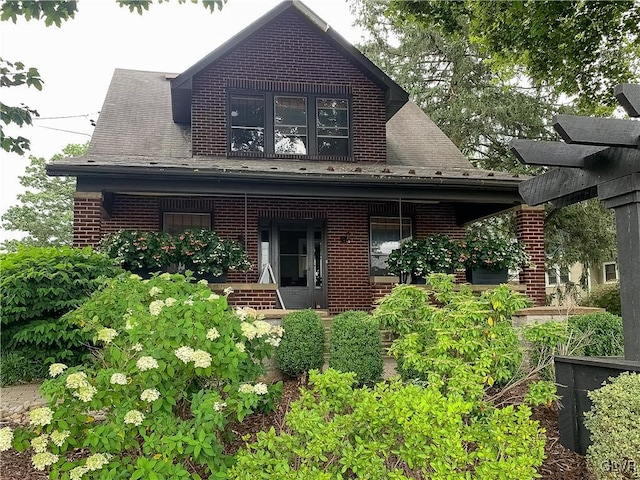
(560, 464)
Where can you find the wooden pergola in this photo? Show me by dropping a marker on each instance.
(600, 157)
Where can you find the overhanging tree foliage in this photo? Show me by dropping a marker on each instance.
(15, 73)
(575, 47)
(45, 211)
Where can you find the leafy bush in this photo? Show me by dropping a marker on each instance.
(199, 250)
(355, 346)
(406, 307)
(302, 346)
(465, 345)
(604, 331)
(433, 254)
(392, 431)
(175, 369)
(38, 286)
(613, 423)
(605, 296)
(17, 366)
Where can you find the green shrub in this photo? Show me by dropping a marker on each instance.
(405, 307)
(38, 286)
(392, 431)
(17, 366)
(302, 345)
(175, 369)
(613, 423)
(604, 331)
(465, 345)
(355, 346)
(605, 296)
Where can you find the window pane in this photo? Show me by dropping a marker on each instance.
(564, 276)
(553, 278)
(333, 146)
(332, 118)
(247, 140)
(290, 118)
(290, 111)
(179, 222)
(610, 274)
(247, 111)
(385, 237)
(335, 103)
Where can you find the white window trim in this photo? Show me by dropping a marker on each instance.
(559, 281)
(604, 272)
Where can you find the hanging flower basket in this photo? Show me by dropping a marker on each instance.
(416, 259)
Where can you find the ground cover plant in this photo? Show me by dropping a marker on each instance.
(176, 367)
(38, 286)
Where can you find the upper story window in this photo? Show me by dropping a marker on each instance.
(281, 124)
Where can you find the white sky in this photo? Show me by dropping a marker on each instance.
(77, 60)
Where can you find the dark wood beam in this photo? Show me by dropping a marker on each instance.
(556, 154)
(628, 96)
(597, 131)
(563, 185)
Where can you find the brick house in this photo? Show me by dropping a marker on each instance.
(289, 140)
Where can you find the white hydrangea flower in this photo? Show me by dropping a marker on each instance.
(146, 363)
(78, 472)
(241, 313)
(165, 276)
(137, 347)
(150, 395)
(169, 302)
(39, 443)
(40, 416)
(227, 291)
(273, 341)
(134, 417)
(135, 276)
(42, 460)
(97, 461)
(85, 393)
(107, 335)
(130, 324)
(6, 439)
(248, 330)
(189, 302)
(262, 328)
(213, 334)
(240, 346)
(184, 353)
(56, 369)
(245, 388)
(155, 307)
(76, 380)
(213, 297)
(260, 389)
(58, 438)
(201, 359)
(154, 291)
(203, 282)
(118, 379)
(277, 330)
(218, 406)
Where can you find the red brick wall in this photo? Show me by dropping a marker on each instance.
(306, 64)
(530, 231)
(87, 218)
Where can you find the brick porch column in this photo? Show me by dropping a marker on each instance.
(87, 218)
(530, 231)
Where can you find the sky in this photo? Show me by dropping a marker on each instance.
(77, 60)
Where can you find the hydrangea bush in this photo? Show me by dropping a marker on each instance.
(176, 367)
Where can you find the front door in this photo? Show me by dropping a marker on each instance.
(299, 263)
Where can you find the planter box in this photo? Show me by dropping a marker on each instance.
(483, 276)
(575, 377)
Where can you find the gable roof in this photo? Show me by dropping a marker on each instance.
(181, 85)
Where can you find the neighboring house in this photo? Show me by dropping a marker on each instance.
(565, 286)
(289, 140)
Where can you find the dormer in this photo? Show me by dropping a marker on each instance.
(287, 87)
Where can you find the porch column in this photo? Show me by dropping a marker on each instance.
(87, 218)
(530, 231)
